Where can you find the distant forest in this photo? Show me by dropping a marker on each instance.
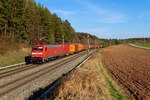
(24, 21)
(109, 42)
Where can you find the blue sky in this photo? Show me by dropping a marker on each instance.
(104, 18)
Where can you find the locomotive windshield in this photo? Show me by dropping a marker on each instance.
(37, 48)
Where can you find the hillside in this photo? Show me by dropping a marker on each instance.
(24, 21)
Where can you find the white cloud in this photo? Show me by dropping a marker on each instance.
(64, 13)
(141, 16)
(96, 30)
(114, 18)
(104, 15)
(100, 32)
(95, 8)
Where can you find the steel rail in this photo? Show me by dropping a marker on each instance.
(21, 69)
(14, 65)
(30, 77)
(50, 90)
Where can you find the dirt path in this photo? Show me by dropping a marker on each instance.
(131, 68)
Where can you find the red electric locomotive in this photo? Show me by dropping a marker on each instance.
(42, 53)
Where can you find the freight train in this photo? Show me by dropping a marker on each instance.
(43, 53)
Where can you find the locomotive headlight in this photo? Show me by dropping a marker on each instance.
(40, 53)
(34, 53)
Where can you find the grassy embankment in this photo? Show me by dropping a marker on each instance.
(13, 56)
(144, 45)
(90, 82)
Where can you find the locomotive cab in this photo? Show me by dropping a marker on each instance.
(37, 54)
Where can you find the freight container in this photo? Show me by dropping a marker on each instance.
(72, 48)
(80, 47)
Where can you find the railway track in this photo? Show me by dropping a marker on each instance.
(20, 69)
(15, 71)
(19, 82)
(51, 88)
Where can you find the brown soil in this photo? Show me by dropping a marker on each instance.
(131, 68)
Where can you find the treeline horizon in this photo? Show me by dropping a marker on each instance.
(109, 42)
(24, 21)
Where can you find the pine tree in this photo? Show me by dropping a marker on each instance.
(27, 22)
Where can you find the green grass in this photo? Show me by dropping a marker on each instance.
(144, 45)
(13, 57)
(114, 90)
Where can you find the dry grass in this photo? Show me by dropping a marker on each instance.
(4, 47)
(115, 91)
(14, 56)
(84, 84)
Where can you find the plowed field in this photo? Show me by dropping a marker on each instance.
(130, 67)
